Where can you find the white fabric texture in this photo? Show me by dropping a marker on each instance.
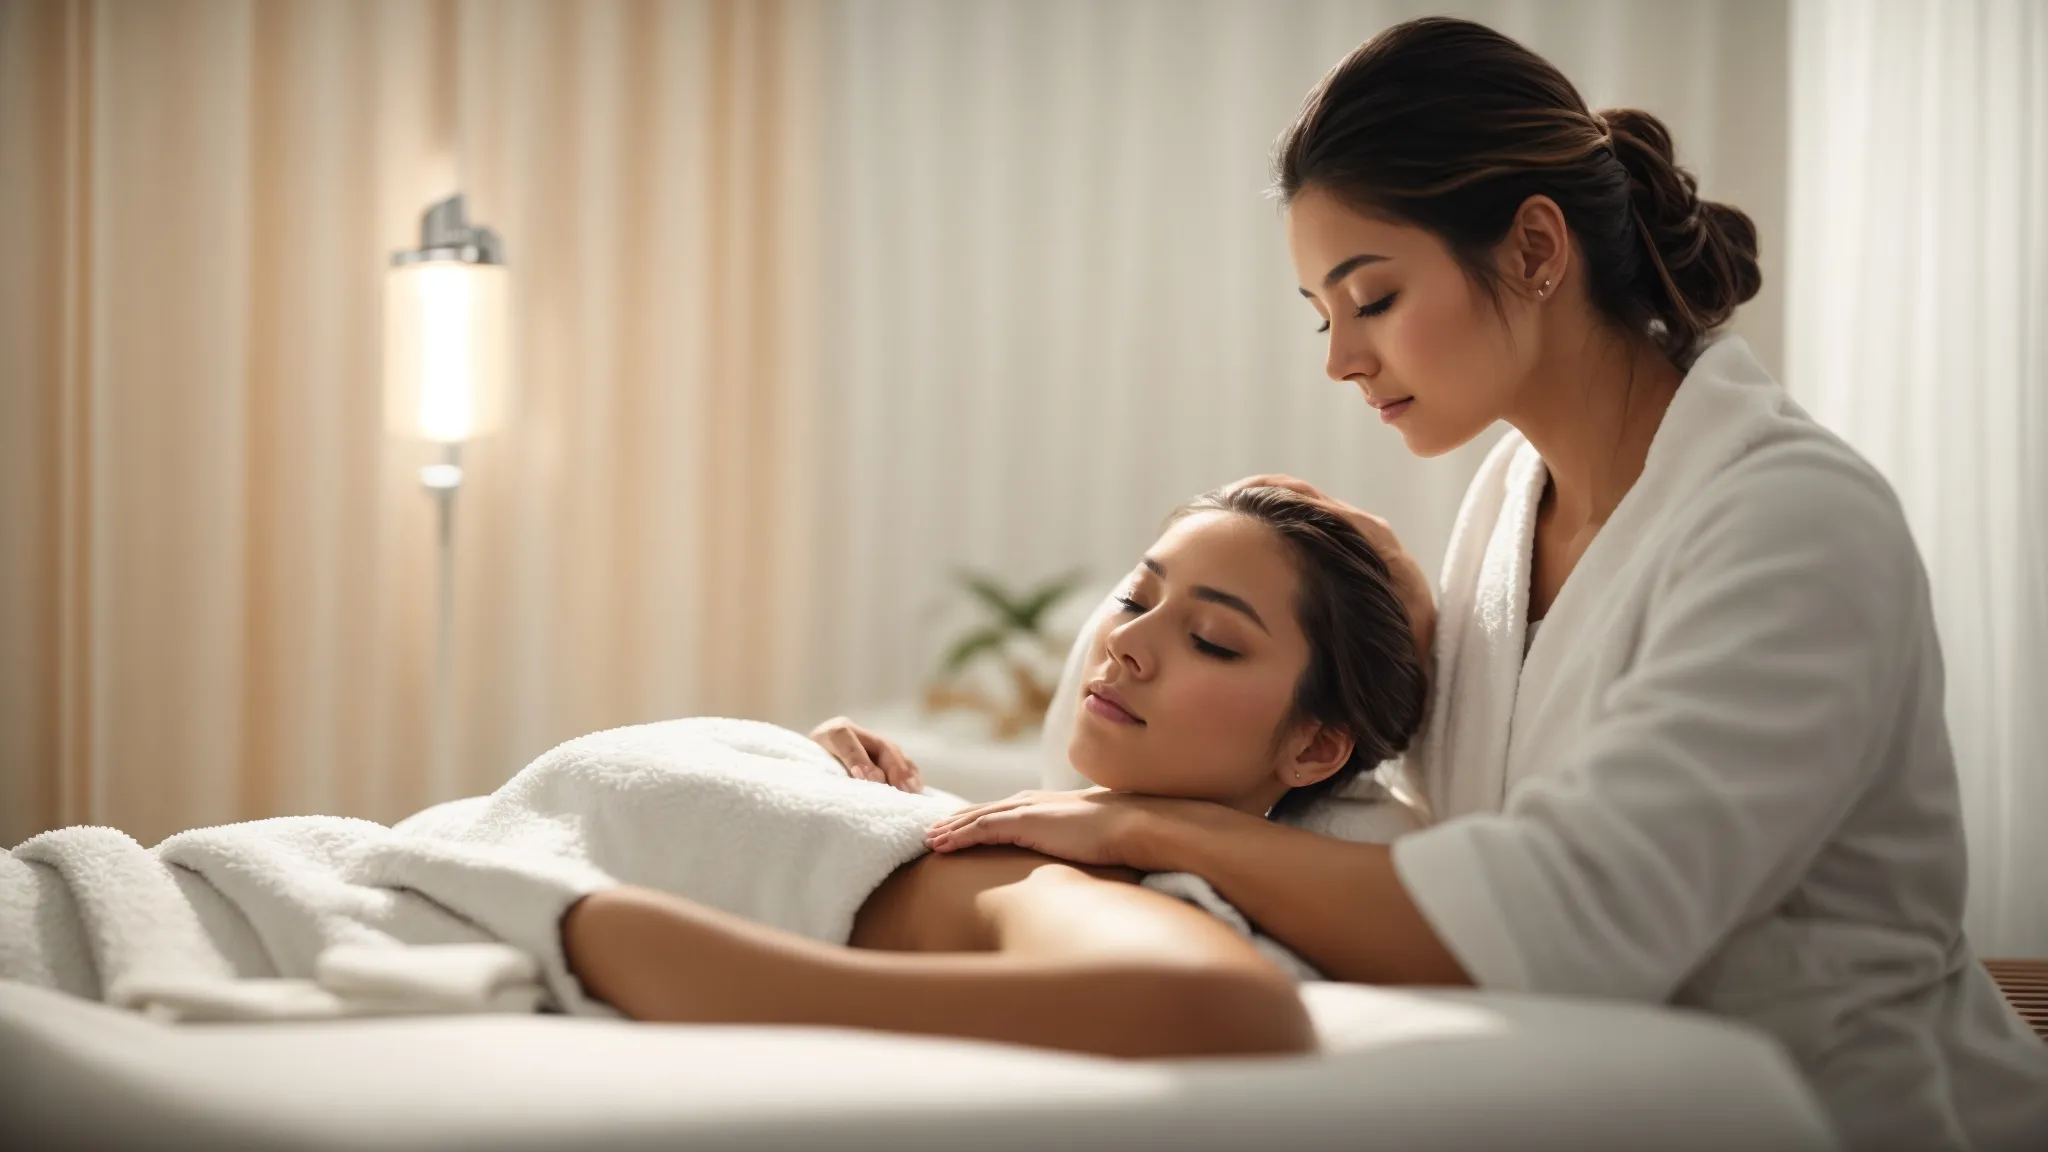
(168, 930)
(746, 817)
(1722, 777)
(1421, 1071)
(456, 909)
(1918, 330)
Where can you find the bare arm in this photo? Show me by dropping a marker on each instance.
(1339, 904)
(1078, 963)
(1354, 920)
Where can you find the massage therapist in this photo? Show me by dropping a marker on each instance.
(1685, 741)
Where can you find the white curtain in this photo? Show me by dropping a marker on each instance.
(1059, 299)
(1918, 329)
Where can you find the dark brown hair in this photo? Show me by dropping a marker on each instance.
(1363, 674)
(1449, 126)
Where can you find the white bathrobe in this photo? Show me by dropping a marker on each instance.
(1720, 776)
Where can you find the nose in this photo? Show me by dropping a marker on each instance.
(1350, 358)
(1127, 645)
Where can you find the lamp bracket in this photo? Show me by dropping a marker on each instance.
(446, 234)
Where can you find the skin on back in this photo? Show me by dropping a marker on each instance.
(955, 903)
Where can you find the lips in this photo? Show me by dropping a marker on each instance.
(1108, 703)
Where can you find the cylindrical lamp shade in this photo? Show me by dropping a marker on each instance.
(445, 363)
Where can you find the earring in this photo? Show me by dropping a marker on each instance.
(1545, 290)
(1297, 775)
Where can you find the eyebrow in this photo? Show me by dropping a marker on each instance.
(1215, 596)
(1347, 267)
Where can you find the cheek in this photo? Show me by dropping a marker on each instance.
(1440, 339)
(1224, 720)
(1454, 361)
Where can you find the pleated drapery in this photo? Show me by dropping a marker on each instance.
(1918, 329)
(216, 569)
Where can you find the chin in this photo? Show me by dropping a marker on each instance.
(1103, 766)
(1428, 443)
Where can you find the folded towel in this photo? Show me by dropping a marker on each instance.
(269, 999)
(445, 977)
(458, 908)
(746, 817)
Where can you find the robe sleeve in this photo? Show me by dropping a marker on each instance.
(1770, 663)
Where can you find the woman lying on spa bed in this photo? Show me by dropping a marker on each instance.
(1260, 659)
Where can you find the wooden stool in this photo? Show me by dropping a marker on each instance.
(2025, 984)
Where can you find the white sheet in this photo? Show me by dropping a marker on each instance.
(1400, 1071)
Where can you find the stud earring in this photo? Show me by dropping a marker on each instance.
(1544, 291)
(1297, 775)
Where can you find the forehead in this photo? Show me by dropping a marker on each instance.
(1234, 554)
(1322, 230)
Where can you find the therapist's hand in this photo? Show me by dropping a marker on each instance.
(867, 755)
(1409, 582)
(1090, 826)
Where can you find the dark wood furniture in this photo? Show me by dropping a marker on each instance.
(2025, 984)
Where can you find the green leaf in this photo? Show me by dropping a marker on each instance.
(998, 601)
(1031, 612)
(971, 645)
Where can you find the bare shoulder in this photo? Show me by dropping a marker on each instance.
(940, 902)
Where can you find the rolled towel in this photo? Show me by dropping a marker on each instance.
(436, 977)
(177, 1001)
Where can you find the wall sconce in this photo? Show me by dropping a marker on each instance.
(446, 381)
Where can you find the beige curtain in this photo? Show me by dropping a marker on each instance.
(216, 568)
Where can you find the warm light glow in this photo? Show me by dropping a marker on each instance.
(444, 350)
(441, 476)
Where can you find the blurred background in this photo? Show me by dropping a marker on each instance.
(813, 307)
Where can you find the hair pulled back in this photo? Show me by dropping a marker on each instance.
(1450, 126)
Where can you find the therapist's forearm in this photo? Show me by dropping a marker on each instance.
(1337, 904)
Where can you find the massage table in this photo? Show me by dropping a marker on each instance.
(1398, 1069)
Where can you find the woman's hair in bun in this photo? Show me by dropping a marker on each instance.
(1451, 126)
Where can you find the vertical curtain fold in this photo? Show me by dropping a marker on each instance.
(1060, 302)
(216, 567)
(1919, 269)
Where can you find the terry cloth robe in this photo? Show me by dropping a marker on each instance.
(1721, 777)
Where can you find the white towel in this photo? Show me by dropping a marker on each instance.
(1482, 618)
(745, 817)
(170, 931)
(457, 909)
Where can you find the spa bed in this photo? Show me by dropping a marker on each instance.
(1399, 1070)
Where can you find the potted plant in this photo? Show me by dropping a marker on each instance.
(1013, 635)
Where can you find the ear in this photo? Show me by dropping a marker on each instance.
(1314, 755)
(1537, 248)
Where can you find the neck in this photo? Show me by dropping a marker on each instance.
(1256, 802)
(1260, 800)
(1591, 409)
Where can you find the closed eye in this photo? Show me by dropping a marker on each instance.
(1376, 308)
(1216, 651)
